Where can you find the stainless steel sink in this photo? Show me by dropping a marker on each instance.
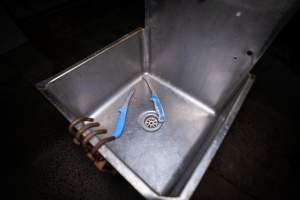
(159, 163)
(201, 79)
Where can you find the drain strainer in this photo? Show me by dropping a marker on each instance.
(149, 121)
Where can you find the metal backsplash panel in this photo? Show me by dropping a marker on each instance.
(206, 47)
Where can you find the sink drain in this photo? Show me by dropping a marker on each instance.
(149, 121)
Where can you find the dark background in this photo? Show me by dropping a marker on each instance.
(39, 38)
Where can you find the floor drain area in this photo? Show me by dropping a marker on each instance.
(149, 121)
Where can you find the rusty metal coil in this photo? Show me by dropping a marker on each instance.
(82, 129)
(77, 121)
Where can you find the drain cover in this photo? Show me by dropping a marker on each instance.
(149, 121)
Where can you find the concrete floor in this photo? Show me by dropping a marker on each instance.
(257, 157)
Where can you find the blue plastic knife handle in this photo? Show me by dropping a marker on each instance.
(121, 122)
(158, 107)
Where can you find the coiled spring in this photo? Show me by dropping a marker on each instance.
(82, 129)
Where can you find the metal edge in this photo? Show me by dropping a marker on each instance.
(42, 85)
(146, 37)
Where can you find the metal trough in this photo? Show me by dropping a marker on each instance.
(197, 55)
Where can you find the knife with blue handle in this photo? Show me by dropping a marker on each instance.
(156, 102)
(120, 125)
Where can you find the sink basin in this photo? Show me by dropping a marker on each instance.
(161, 163)
(201, 78)
(161, 157)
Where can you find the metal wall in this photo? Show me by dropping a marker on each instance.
(206, 47)
(83, 87)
